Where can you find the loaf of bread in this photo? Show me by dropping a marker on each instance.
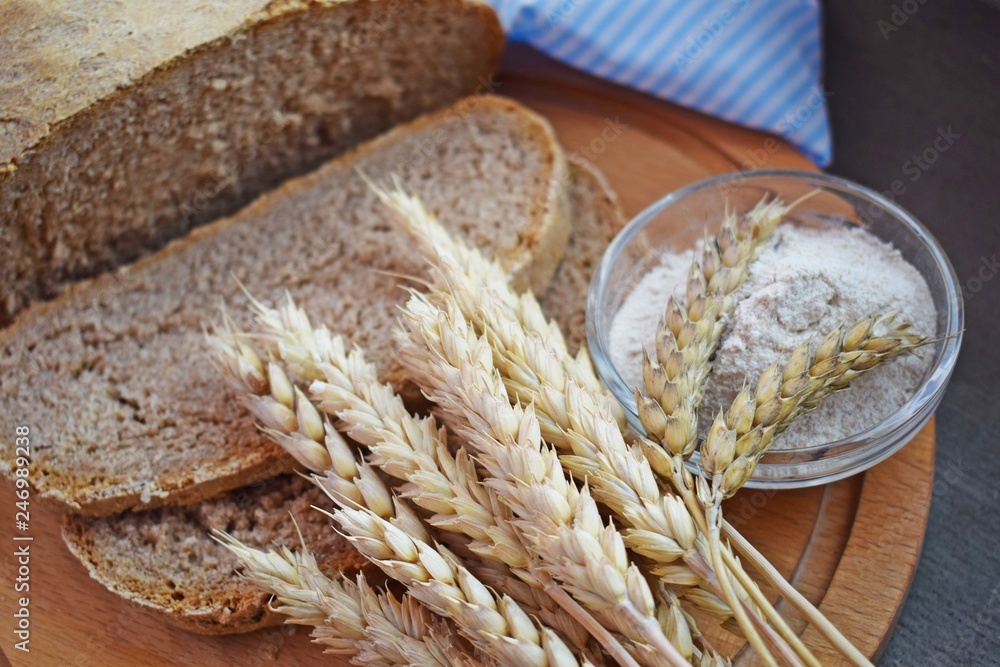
(164, 561)
(116, 375)
(125, 122)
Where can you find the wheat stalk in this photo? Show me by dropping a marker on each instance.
(348, 618)
(559, 521)
(536, 369)
(739, 438)
(674, 381)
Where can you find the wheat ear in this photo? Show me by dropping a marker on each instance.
(536, 367)
(533, 369)
(292, 421)
(414, 450)
(381, 527)
(561, 522)
(470, 275)
(739, 438)
(495, 624)
(687, 337)
(348, 618)
(674, 380)
(620, 474)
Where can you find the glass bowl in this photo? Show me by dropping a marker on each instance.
(678, 220)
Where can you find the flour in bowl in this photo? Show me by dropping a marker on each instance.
(806, 281)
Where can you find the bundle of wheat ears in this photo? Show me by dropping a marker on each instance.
(526, 523)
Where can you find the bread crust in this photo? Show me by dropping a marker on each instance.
(89, 95)
(597, 218)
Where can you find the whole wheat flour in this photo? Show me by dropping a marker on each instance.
(806, 281)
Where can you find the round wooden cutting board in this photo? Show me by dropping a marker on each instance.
(851, 547)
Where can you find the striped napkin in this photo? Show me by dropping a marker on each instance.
(749, 62)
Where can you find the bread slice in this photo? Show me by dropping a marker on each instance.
(164, 561)
(115, 376)
(597, 218)
(123, 124)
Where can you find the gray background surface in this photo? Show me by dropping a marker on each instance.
(890, 92)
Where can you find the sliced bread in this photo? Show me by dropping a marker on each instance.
(597, 218)
(115, 376)
(164, 561)
(123, 123)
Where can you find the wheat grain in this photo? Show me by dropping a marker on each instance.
(688, 335)
(674, 382)
(532, 370)
(531, 367)
(383, 531)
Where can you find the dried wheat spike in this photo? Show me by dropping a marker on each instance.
(464, 271)
(348, 618)
(559, 521)
(739, 438)
(495, 624)
(688, 334)
(409, 448)
(394, 532)
(533, 370)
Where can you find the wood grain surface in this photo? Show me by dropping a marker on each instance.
(850, 547)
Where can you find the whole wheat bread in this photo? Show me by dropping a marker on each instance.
(597, 218)
(125, 122)
(115, 375)
(164, 561)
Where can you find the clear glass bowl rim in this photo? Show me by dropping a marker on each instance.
(929, 392)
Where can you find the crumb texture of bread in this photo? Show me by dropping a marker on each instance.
(116, 376)
(164, 560)
(123, 125)
(597, 217)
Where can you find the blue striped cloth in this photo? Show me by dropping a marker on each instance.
(749, 62)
